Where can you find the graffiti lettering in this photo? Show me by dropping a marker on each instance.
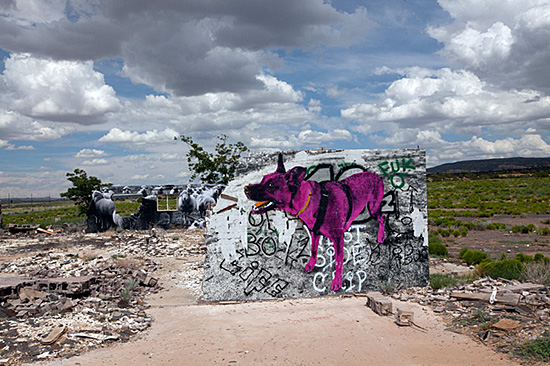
(320, 278)
(258, 283)
(321, 281)
(277, 287)
(397, 170)
(232, 267)
(245, 275)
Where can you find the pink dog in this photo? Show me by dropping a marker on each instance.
(326, 208)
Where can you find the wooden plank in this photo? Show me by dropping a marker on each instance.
(501, 298)
(227, 208)
(45, 231)
(525, 287)
(231, 198)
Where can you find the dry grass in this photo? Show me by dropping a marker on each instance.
(536, 272)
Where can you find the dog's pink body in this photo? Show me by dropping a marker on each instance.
(288, 191)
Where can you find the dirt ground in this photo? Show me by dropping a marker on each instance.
(334, 330)
(321, 331)
(495, 243)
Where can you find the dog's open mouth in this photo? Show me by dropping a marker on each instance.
(263, 206)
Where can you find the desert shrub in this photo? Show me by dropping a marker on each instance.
(462, 252)
(539, 257)
(524, 229)
(439, 281)
(473, 256)
(509, 269)
(478, 225)
(437, 249)
(523, 258)
(537, 272)
(388, 287)
(543, 231)
(126, 292)
(536, 349)
(545, 221)
(456, 233)
(496, 226)
(433, 237)
(444, 232)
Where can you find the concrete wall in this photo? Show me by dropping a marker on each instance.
(251, 256)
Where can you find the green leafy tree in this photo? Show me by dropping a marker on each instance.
(218, 167)
(81, 191)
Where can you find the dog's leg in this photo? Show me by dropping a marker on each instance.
(338, 264)
(313, 258)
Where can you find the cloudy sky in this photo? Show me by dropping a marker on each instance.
(105, 85)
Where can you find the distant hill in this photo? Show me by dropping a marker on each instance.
(491, 165)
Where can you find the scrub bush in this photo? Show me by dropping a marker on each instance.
(510, 269)
(473, 256)
(438, 249)
(523, 258)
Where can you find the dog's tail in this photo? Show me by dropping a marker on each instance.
(381, 227)
(375, 211)
(117, 219)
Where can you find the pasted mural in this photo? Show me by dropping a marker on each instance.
(327, 208)
(317, 222)
(191, 203)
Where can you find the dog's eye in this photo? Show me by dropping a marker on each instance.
(270, 185)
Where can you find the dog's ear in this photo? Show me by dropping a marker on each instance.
(280, 165)
(294, 176)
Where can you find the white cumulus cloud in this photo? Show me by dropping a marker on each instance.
(448, 100)
(58, 90)
(505, 42)
(90, 153)
(303, 138)
(95, 162)
(154, 136)
(20, 147)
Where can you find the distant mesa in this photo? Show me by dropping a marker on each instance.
(491, 165)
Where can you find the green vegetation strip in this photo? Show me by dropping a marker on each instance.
(480, 197)
(536, 349)
(55, 212)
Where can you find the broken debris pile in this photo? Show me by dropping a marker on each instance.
(500, 313)
(61, 302)
(31, 306)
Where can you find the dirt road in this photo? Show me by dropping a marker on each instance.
(322, 331)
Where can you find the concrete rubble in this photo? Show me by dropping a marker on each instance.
(499, 313)
(64, 295)
(518, 312)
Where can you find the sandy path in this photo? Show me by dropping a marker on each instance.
(322, 331)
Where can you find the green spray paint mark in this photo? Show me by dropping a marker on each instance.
(396, 170)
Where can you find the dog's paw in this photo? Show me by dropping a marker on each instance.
(336, 284)
(310, 265)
